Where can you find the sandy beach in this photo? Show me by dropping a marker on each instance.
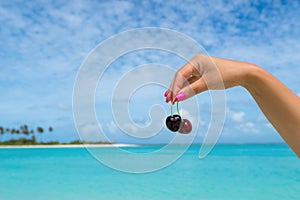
(70, 146)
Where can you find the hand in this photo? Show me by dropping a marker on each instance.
(203, 73)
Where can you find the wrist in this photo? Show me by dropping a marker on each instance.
(251, 75)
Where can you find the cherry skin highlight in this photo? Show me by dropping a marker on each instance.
(173, 122)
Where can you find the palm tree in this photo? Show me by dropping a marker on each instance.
(2, 132)
(40, 130)
(13, 131)
(33, 139)
(24, 130)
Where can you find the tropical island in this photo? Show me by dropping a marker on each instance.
(27, 136)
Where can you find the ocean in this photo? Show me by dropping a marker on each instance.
(241, 172)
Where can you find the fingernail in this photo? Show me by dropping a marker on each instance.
(166, 93)
(181, 96)
(174, 100)
(167, 100)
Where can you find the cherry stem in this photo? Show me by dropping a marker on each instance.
(176, 108)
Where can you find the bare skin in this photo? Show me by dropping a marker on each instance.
(279, 104)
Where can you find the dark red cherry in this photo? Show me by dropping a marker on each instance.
(185, 127)
(173, 122)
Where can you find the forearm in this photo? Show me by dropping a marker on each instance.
(279, 104)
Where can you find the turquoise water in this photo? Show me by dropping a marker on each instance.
(229, 172)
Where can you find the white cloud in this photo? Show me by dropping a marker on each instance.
(236, 116)
(248, 127)
(62, 106)
(112, 127)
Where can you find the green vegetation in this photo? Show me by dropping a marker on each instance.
(27, 137)
(85, 142)
(25, 141)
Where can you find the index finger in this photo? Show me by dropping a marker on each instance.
(181, 78)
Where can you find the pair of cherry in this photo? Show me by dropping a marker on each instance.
(176, 123)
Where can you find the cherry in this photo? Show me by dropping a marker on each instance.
(185, 126)
(173, 122)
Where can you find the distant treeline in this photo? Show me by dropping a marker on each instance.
(25, 141)
(25, 132)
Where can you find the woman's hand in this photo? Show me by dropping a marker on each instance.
(204, 72)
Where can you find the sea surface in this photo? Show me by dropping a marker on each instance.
(228, 172)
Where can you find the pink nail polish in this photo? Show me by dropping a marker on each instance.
(181, 96)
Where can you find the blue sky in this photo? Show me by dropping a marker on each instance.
(44, 44)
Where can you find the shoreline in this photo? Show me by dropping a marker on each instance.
(117, 145)
(68, 146)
